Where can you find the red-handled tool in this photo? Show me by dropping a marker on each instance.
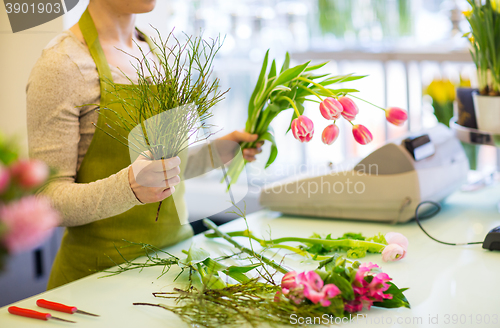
(34, 314)
(61, 307)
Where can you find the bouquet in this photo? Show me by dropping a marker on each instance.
(168, 107)
(290, 88)
(25, 220)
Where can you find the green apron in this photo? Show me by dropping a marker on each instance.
(88, 248)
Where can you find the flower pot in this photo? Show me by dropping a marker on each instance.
(465, 106)
(487, 110)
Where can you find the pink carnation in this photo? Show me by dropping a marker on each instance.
(30, 173)
(29, 222)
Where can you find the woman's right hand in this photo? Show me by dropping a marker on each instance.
(153, 180)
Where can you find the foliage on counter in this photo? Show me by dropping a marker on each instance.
(218, 294)
(25, 220)
(289, 88)
(392, 246)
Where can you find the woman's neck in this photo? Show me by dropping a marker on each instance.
(112, 26)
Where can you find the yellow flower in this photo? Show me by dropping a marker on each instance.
(441, 91)
(495, 4)
(467, 13)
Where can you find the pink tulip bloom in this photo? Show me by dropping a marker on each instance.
(29, 221)
(4, 178)
(289, 280)
(302, 128)
(393, 252)
(396, 116)
(330, 134)
(30, 173)
(361, 134)
(331, 108)
(397, 238)
(350, 109)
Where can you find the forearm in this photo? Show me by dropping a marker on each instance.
(83, 203)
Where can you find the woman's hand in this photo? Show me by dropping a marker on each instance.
(242, 136)
(153, 181)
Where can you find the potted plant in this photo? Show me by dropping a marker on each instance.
(484, 37)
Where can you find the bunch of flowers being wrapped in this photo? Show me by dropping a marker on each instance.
(25, 220)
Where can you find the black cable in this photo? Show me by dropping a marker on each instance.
(436, 211)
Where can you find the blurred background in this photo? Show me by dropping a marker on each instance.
(413, 51)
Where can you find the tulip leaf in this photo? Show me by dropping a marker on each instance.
(340, 79)
(272, 71)
(274, 149)
(289, 74)
(281, 88)
(286, 63)
(315, 67)
(258, 86)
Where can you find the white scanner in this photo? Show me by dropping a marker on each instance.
(387, 185)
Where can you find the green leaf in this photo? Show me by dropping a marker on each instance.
(286, 63)
(341, 78)
(315, 67)
(342, 283)
(213, 281)
(274, 149)
(195, 255)
(272, 71)
(356, 253)
(238, 272)
(281, 88)
(289, 74)
(398, 299)
(258, 86)
(337, 306)
(213, 266)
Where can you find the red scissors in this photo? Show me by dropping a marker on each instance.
(61, 307)
(34, 314)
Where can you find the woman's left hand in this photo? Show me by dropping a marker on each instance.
(242, 136)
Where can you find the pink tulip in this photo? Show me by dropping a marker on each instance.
(4, 178)
(330, 134)
(289, 280)
(302, 128)
(361, 134)
(29, 221)
(331, 108)
(350, 109)
(393, 252)
(397, 238)
(30, 173)
(396, 116)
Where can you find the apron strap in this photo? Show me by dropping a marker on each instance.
(92, 39)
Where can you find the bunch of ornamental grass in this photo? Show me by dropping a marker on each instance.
(168, 107)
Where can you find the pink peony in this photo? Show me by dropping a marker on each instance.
(315, 290)
(30, 173)
(303, 128)
(393, 252)
(397, 238)
(365, 293)
(4, 178)
(29, 222)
